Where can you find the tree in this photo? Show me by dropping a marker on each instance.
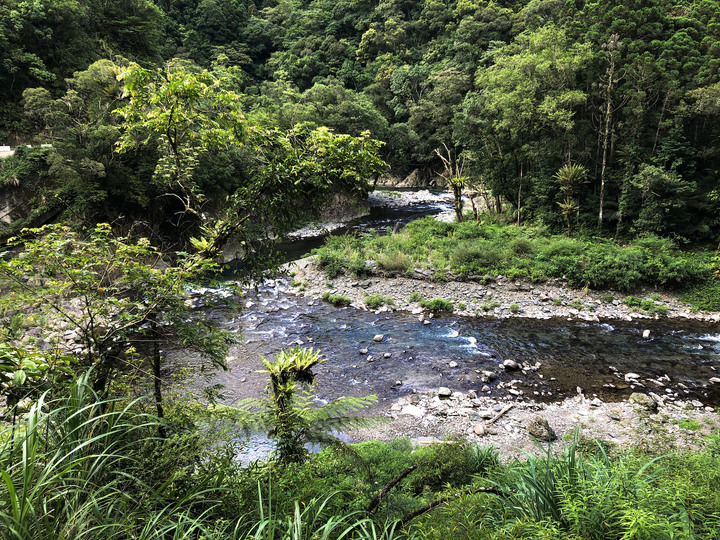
(571, 177)
(453, 175)
(184, 114)
(292, 421)
(118, 298)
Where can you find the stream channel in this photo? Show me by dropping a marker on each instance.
(593, 358)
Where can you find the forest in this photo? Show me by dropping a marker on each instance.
(150, 135)
(627, 93)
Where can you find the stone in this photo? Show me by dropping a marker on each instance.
(479, 430)
(596, 402)
(646, 334)
(363, 351)
(453, 364)
(715, 380)
(412, 410)
(444, 392)
(510, 365)
(379, 337)
(426, 322)
(387, 355)
(539, 428)
(485, 388)
(631, 377)
(472, 394)
(643, 401)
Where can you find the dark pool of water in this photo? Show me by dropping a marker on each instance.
(572, 353)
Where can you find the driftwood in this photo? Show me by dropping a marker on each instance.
(395, 481)
(499, 415)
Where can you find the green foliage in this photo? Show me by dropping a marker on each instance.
(515, 308)
(114, 293)
(438, 305)
(293, 421)
(375, 301)
(524, 253)
(336, 299)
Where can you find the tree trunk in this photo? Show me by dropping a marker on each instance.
(157, 380)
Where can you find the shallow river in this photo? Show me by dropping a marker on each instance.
(680, 356)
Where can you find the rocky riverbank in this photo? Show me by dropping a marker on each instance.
(658, 418)
(496, 297)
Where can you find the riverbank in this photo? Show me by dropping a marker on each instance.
(665, 420)
(498, 297)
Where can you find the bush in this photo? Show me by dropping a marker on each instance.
(378, 300)
(438, 305)
(336, 299)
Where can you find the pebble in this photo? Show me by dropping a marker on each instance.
(453, 364)
(363, 351)
(387, 355)
(379, 337)
(646, 334)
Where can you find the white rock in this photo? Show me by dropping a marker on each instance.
(412, 410)
(646, 334)
(379, 337)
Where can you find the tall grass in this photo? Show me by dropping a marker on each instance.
(520, 253)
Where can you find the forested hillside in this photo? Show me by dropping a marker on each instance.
(630, 91)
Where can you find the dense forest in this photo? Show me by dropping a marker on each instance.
(627, 93)
(149, 135)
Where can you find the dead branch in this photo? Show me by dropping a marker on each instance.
(395, 481)
(499, 415)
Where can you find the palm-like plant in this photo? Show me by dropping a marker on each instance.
(290, 416)
(571, 177)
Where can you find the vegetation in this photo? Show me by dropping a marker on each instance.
(336, 299)
(472, 248)
(98, 465)
(375, 301)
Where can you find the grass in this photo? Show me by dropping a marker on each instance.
(375, 301)
(79, 466)
(337, 300)
(527, 253)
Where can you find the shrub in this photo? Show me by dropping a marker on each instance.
(515, 308)
(336, 299)
(378, 300)
(395, 261)
(415, 297)
(438, 305)
(632, 301)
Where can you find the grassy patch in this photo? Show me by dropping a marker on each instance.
(336, 299)
(524, 253)
(378, 300)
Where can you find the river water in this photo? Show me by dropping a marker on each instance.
(573, 356)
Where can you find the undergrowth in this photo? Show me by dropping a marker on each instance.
(527, 253)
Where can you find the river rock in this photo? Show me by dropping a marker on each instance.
(539, 428)
(631, 377)
(412, 410)
(485, 388)
(643, 401)
(646, 334)
(510, 365)
(453, 364)
(444, 392)
(479, 430)
(715, 380)
(379, 337)
(364, 351)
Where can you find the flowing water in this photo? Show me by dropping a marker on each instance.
(680, 356)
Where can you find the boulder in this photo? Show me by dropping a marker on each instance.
(643, 401)
(510, 365)
(539, 428)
